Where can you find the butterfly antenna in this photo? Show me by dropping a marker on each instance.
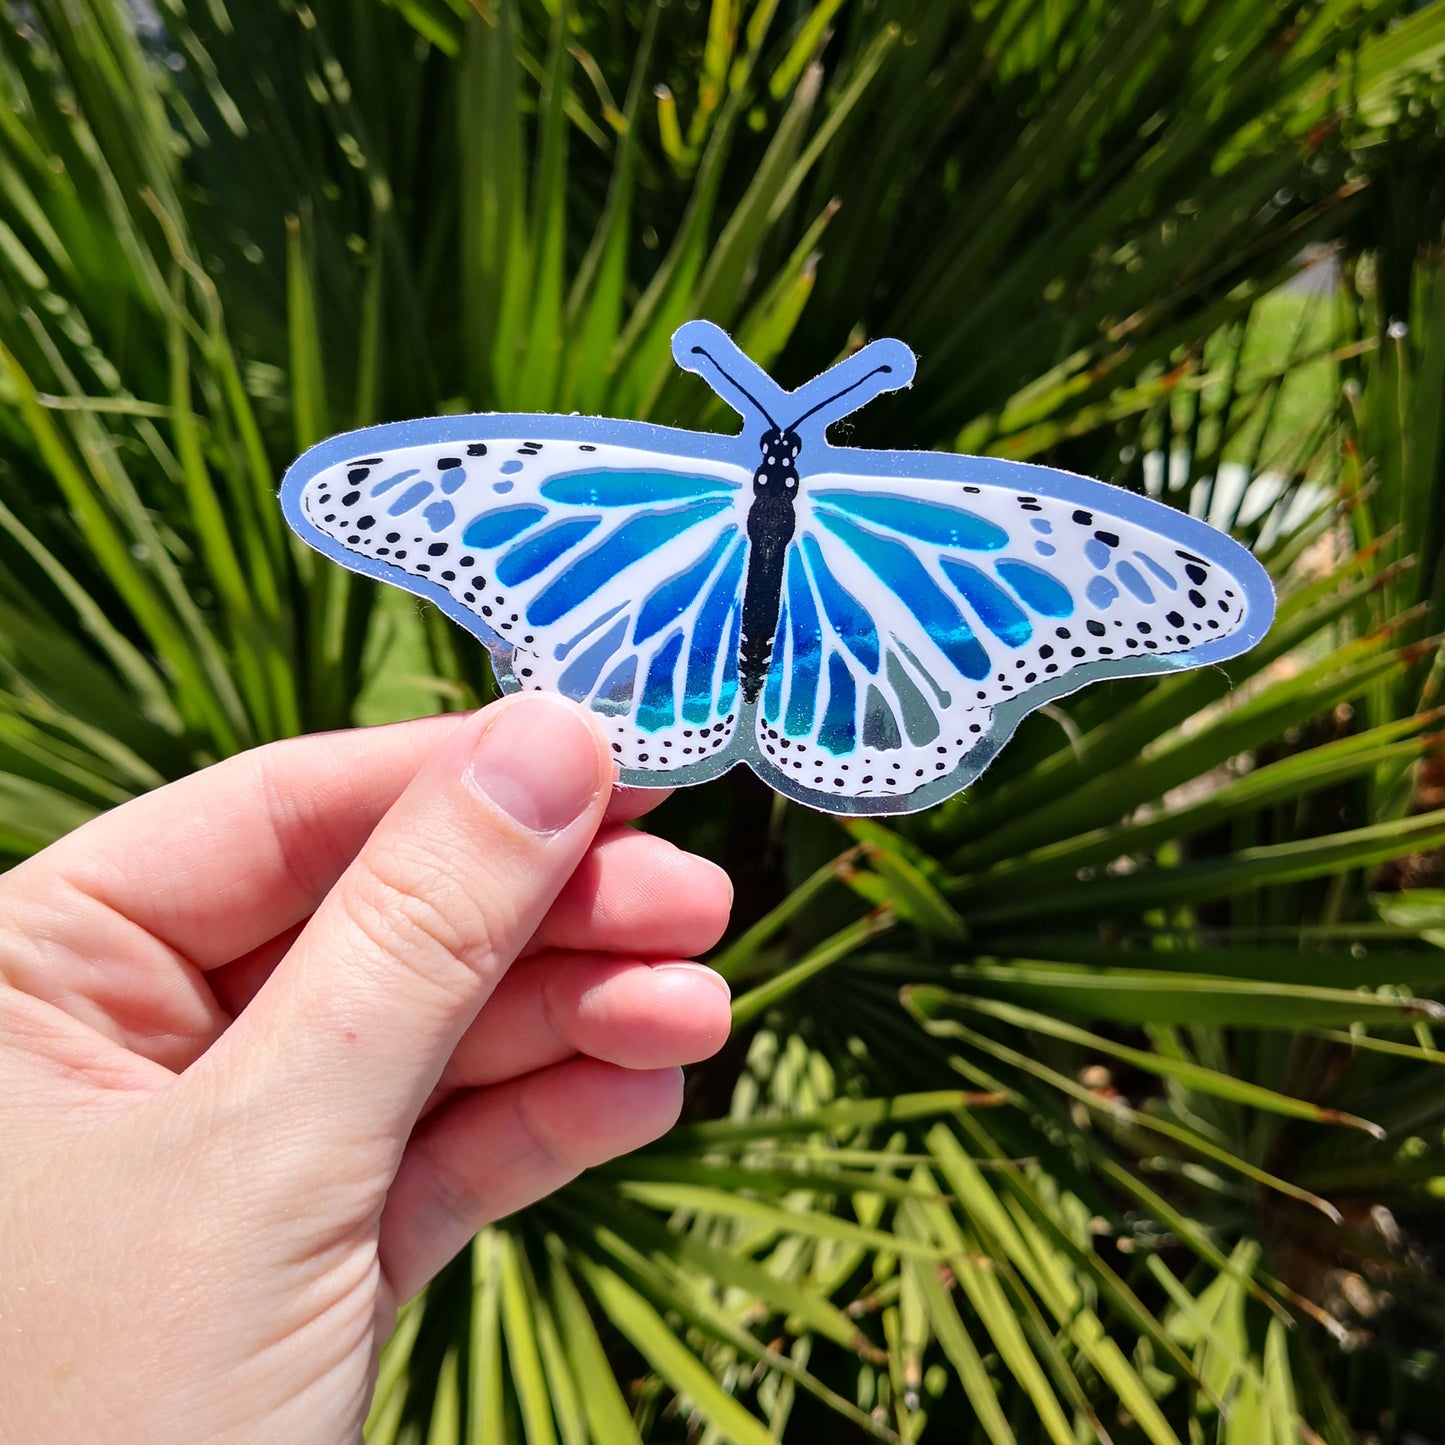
(701, 351)
(877, 371)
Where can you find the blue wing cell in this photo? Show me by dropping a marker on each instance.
(943, 524)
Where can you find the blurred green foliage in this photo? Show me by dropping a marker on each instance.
(1100, 1103)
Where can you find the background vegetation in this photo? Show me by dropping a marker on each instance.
(1100, 1103)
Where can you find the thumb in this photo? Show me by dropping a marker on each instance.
(351, 1032)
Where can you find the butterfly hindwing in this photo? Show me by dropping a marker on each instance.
(923, 617)
(601, 572)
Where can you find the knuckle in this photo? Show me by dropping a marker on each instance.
(294, 846)
(434, 930)
(447, 1201)
(532, 1122)
(451, 1198)
(555, 1015)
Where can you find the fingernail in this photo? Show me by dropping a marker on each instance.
(697, 970)
(538, 763)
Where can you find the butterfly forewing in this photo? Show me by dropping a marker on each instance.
(589, 570)
(922, 618)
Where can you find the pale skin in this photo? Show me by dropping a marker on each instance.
(276, 1040)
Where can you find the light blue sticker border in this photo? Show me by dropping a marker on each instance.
(761, 401)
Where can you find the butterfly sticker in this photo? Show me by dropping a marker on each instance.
(864, 629)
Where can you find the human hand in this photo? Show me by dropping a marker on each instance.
(250, 1098)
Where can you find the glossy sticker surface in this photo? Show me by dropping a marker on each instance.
(864, 629)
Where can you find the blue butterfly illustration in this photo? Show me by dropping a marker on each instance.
(864, 629)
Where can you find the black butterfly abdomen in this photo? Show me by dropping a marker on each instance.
(771, 521)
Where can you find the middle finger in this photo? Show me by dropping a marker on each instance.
(622, 1011)
(632, 894)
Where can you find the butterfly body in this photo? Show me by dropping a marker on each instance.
(772, 520)
(863, 628)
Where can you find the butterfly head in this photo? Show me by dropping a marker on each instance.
(777, 474)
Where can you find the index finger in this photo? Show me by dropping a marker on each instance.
(216, 864)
